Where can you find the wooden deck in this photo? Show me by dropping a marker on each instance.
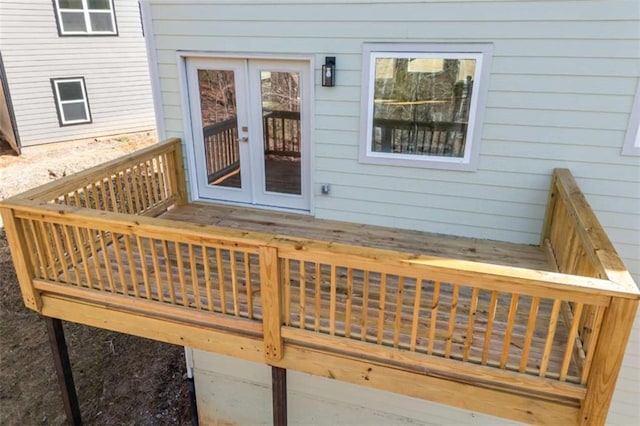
(282, 174)
(485, 325)
(408, 241)
(366, 305)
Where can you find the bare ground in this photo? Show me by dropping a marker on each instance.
(120, 379)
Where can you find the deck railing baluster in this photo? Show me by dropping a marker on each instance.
(222, 292)
(39, 250)
(303, 294)
(317, 297)
(193, 267)
(287, 292)
(417, 303)
(234, 282)
(184, 296)
(349, 300)
(551, 330)
(81, 246)
(399, 306)
(571, 340)
(132, 264)
(332, 301)
(169, 271)
(365, 306)
(590, 346)
(506, 345)
(493, 306)
(49, 258)
(471, 323)
(92, 236)
(59, 244)
(107, 260)
(207, 276)
(531, 326)
(119, 262)
(156, 269)
(248, 284)
(452, 320)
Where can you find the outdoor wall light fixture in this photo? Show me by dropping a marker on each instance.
(329, 71)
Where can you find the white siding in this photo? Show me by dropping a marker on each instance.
(561, 88)
(114, 67)
(231, 391)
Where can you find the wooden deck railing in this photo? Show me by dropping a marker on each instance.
(221, 147)
(578, 245)
(443, 138)
(143, 184)
(222, 150)
(282, 133)
(534, 337)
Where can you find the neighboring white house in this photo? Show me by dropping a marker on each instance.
(538, 85)
(75, 69)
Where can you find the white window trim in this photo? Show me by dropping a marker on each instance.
(59, 103)
(632, 140)
(482, 52)
(87, 19)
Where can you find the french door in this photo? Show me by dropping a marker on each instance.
(250, 126)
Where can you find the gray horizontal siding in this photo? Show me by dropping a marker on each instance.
(114, 68)
(562, 83)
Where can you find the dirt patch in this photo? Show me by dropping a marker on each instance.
(120, 379)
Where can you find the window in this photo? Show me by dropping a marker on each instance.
(85, 17)
(71, 101)
(422, 104)
(632, 140)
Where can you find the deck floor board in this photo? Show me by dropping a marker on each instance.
(416, 242)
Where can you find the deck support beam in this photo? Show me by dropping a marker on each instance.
(63, 370)
(279, 395)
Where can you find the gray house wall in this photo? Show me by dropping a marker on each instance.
(115, 70)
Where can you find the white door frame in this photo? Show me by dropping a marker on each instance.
(306, 69)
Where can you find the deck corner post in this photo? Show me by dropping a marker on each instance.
(181, 182)
(609, 352)
(551, 204)
(63, 370)
(19, 252)
(271, 302)
(279, 395)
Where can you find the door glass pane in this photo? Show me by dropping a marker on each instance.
(281, 136)
(220, 127)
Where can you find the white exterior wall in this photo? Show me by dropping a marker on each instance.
(562, 84)
(115, 70)
(236, 392)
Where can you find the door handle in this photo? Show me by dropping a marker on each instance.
(243, 139)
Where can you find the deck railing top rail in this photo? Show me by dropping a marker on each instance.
(566, 198)
(496, 277)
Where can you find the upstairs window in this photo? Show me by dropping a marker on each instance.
(71, 101)
(423, 104)
(85, 17)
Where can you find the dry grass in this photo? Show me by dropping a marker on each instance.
(120, 379)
